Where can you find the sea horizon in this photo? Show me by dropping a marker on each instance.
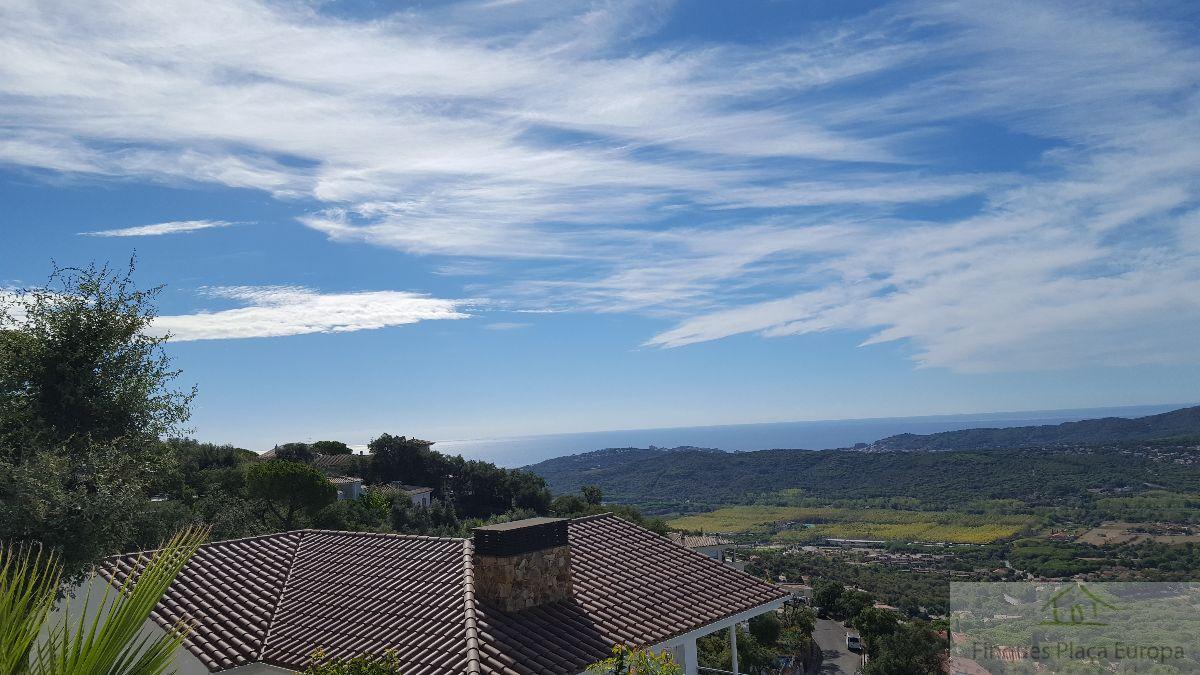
(519, 451)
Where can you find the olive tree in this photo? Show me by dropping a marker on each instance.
(86, 393)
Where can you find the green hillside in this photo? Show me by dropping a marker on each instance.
(688, 481)
(1182, 423)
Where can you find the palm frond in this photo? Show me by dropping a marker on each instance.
(105, 638)
(29, 579)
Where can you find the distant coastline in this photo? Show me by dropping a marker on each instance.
(811, 435)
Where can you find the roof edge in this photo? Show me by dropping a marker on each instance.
(724, 617)
(145, 551)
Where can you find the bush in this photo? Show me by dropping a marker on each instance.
(388, 664)
(630, 661)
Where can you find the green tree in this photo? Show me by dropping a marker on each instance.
(766, 628)
(109, 642)
(796, 637)
(912, 649)
(438, 518)
(289, 489)
(851, 602)
(368, 513)
(592, 494)
(80, 364)
(874, 624)
(332, 448)
(567, 506)
(713, 650)
(410, 460)
(826, 593)
(86, 392)
(295, 452)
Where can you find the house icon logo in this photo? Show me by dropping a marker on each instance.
(1076, 605)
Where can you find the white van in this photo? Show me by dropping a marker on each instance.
(852, 642)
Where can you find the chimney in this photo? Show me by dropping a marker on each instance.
(522, 564)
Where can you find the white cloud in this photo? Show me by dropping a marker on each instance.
(157, 229)
(273, 311)
(505, 325)
(806, 184)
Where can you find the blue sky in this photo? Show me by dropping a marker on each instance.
(490, 218)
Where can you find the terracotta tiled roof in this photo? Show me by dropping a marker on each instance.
(229, 589)
(696, 540)
(360, 593)
(276, 598)
(383, 489)
(415, 489)
(319, 461)
(390, 489)
(332, 462)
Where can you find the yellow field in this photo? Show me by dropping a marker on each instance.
(887, 524)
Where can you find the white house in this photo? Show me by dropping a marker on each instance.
(543, 596)
(348, 487)
(420, 496)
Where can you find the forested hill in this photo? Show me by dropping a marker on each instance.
(673, 481)
(1182, 423)
(598, 460)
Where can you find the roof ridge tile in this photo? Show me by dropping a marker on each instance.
(594, 516)
(382, 535)
(471, 618)
(262, 647)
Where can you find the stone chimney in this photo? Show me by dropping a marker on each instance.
(522, 564)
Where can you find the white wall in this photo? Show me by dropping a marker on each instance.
(349, 490)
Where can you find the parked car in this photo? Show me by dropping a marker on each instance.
(853, 643)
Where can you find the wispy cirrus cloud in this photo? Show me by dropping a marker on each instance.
(158, 229)
(1088, 261)
(275, 311)
(831, 180)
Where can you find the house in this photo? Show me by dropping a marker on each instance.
(704, 544)
(334, 464)
(420, 496)
(348, 487)
(543, 596)
(801, 593)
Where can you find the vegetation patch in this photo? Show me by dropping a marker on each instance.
(1111, 533)
(1151, 506)
(797, 524)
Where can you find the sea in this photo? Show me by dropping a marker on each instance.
(811, 435)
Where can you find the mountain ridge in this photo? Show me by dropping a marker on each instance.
(1113, 454)
(1181, 423)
